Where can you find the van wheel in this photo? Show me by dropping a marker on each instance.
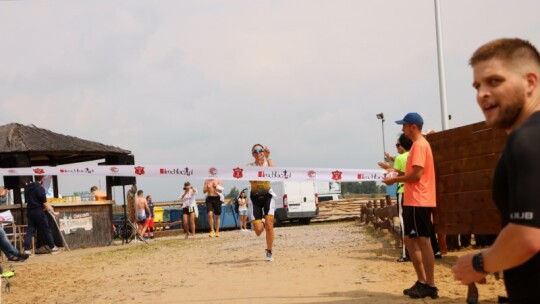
(305, 221)
(277, 222)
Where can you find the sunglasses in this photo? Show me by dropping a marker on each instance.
(256, 151)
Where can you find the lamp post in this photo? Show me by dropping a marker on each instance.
(381, 117)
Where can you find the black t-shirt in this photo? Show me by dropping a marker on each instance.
(516, 192)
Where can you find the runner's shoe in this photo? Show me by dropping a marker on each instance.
(423, 291)
(212, 233)
(217, 234)
(55, 250)
(29, 252)
(414, 287)
(269, 257)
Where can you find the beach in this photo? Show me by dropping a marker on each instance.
(332, 262)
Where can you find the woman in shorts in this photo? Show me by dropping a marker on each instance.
(188, 209)
(242, 211)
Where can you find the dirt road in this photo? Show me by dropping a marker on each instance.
(341, 262)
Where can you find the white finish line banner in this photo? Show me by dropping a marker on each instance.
(206, 172)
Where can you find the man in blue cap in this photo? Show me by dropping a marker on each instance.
(419, 200)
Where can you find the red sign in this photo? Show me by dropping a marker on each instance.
(360, 176)
(238, 172)
(336, 175)
(39, 171)
(139, 170)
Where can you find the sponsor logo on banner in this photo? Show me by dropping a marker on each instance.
(238, 172)
(38, 171)
(139, 170)
(176, 171)
(371, 176)
(212, 171)
(77, 170)
(311, 174)
(336, 175)
(12, 171)
(274, 174)
(114, 169)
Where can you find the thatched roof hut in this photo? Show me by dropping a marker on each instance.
(28, 146)
(47, 148)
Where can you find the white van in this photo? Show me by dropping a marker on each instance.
(294, 200)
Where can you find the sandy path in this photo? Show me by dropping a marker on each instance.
(322, 263)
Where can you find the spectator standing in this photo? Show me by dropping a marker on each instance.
(213, 188)
(188, 209)
(419, 200)
(141, 209)
(506, 80)
(36, 207)
(150, 218)
(242, 211)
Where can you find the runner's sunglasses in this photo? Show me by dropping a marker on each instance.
(256, 151)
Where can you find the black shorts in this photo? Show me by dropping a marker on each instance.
(213, 203)
(417, 221)
(187, 210)
(261, 205)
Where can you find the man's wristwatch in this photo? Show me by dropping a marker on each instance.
(478, 263)
(269, 158)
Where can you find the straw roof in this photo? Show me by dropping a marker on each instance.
(45, 147)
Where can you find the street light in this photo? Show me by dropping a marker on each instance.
(381, 117)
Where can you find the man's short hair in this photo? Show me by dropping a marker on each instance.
(405, 142)
(507, 49)
(140, 192)
(39, 178)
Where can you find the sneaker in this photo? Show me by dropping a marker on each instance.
(23, 256)
(55, 250)
(403, 259)
(423, 291)
(269, 257)
(15, 258)
(438, 255)
(29, 252)
(217, 234)
(414, 287)
(212, 234)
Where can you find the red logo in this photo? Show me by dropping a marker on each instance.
(360, 176)
(238, 172)
(336, 175)
(12, 171)
(212, 171)
(312, 174)
(260, 174)
(39, 171)
(114, 170)
(139, 170)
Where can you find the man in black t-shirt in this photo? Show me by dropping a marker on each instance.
(507, 83)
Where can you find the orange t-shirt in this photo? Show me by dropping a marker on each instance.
(421, 193)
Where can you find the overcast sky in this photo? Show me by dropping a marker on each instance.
(199, 82)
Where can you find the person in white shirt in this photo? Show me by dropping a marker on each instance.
(188, 209)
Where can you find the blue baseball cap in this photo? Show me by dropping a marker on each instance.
(411, 118)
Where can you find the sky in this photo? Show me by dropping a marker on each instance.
(199, 82)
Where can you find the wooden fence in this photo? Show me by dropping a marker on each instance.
(465, 160)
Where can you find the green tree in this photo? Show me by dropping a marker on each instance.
(234, 193)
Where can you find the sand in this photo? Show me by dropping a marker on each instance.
(339, 262)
